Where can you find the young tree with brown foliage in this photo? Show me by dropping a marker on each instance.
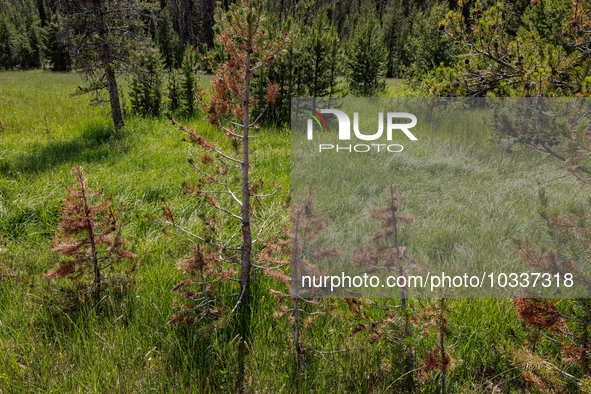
(384, 253)
(205, 272)
(552, 373)
(570, 251)
(562, 263)
(245, 39)
(88, 234)
(225, 171)
(439, 358)
(564, 260)
(307, 223)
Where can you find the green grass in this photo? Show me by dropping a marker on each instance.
(468, 197)
(131, 348)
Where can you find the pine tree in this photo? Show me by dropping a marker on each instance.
(103, 42)
(206, 22)
(310, 66)
(58, 50)
(88, 234)
(165, 37)
(385, 251)
(289, 72)
(320, 42)
(226, 179)
(439, 358)
(6, 32)
(396, 26)
(426, 48)
(190, 78)
(366, 58)
(146, 85)
(385, 254)
(307, 223)
(174, 90)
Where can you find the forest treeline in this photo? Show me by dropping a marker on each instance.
(329, 38)
(336, 48)
(30, 29)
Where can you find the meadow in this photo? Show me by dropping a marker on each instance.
(132, 347)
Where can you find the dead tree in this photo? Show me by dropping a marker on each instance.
(225, 171)
(385, 254)
(439, 358)
(88, 234)
(307, 223)
(246, 41)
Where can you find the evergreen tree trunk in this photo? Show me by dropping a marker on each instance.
(189, 22)
(179, 21)
(207, 22)
(116, 113)
(107, 60)
(246, 232)
(96, 291)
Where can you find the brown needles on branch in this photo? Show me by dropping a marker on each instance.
(385, 252)
(307, 223)
(88, 236)
(225, 169)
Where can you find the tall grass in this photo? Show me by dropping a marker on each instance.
(131, 348)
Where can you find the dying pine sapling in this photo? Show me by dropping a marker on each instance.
(438, 358)
(562, 260)
(301, 306)
(89, 237)
(245, 39)
(226, 182)
(204, 303)
(384, 253)
(545, 322)
(307, 223)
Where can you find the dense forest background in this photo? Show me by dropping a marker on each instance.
(30, 29)
(410, 43)
(466, 48)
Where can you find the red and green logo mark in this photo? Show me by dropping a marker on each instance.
(316, 115)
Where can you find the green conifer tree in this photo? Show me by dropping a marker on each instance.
(146, 85)
(366, 58)
(190, 78)
(57, 49)
(174, 90)
(320, 39)
(6, 31)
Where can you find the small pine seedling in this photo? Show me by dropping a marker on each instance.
(88, 235)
